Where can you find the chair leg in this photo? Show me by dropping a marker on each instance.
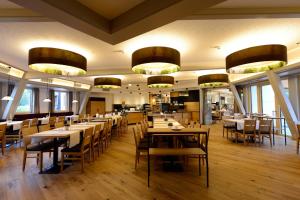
(41, 162)
(298, 145)
(136, 158)
(270, 137)
(24, 160)
(82, 163)
(223, 131)
(207, 172)
(62, 161)
(199, 165)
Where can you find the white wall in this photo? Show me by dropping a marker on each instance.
(134, 98)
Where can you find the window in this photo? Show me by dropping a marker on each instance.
(254, 107)
(26, 102)
(61, 101)
(268, 100)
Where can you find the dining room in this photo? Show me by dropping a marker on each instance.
(146, 99)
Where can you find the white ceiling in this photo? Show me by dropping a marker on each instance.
(195, 39)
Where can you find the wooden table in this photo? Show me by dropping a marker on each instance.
(273, 124)
(55, 135)
(169, 132)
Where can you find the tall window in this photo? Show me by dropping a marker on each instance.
(268, 100)
(26, 102)
(254, 107)
(61, 101)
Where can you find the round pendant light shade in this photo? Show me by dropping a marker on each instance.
(155, 60)
(107, 82)
(213, 80)
(257, 59)
(57, 61)
(160, 81)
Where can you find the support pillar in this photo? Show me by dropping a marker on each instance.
(16, 94)
(84, 101)
(237, 98)
(284, 102)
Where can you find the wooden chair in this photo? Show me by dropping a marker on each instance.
(31, 147)
(96, 140)
(2, 137)
(52, 121)
(26, 123)
(248, 131)
(109, 130)
(140, 147)
(61, 119)
(79, 151)
(45, 127)
(265, 130)
(298, 140)
(34, 122)
(59, 124)
(103, 137)
(227, 125)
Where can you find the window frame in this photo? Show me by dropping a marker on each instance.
(67, 101)
(31, 104)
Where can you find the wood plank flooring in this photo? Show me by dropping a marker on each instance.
(236, 172)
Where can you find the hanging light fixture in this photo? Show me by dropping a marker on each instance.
(107, 82)
(155, 60)
(257, 59)
(160, 81)
(47, 100)
(7, 97)
(74, 91)
(213, 80)
(57, 61)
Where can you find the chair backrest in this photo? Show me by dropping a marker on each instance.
(34, 122)
(52, 121)
(265, 126)
(59, 124)
(26, 132)
(45, 127)
(136, 135)
(97, 132)
(25, 123)
(2, 129)
(197, 125)
(61, 119)
(87, 138)
(204, 140)
(250, 125)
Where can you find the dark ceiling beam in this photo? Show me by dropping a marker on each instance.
(21, 15)
(153, 14)
(72, 14)
(245, 13)
(144, 17)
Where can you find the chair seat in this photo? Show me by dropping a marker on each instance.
(76, 148)
(39, 147)
(143, 146)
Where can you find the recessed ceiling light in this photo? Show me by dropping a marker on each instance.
(129, 84)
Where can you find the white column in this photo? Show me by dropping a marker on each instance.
(84, 101)
(237, 98)
(284, 102)
(294, 92)
(201, 102)
(16, 94)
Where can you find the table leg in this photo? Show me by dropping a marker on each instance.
(148, 160)
(284, 131)
(273, 133)
(55, 168)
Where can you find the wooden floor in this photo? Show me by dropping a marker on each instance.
(236, 172)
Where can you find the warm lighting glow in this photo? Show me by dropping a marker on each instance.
(9, 70)
(7, 98)
(160, 85)
(62, 82)
(155, 68)
(57, 69)
(47, 100)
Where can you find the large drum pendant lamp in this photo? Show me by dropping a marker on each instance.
(57, 61)
(160, 81)
(155, 60)
(257, 59)
(213, 80)
(107, 83)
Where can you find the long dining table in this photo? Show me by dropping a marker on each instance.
(72, 132)
(161, 128)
